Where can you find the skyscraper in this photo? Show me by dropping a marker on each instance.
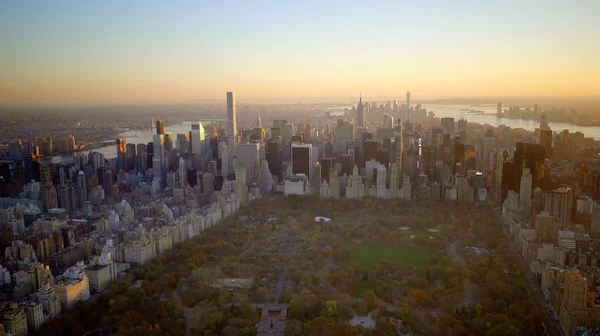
(49, 198)
(130, 157)
(360, 114)
(525, 192)
(81, 189)
(544, 122)
(168, 141)
(249, 154)
(160, 127)
(528, 155)
(301, 158)
(499, 109)
(197, 138)
(231, 128)
(224, 156)
(546, 141)
(489, 147)
(408, 107)
(182, 173)
(121, 154)
(158, 158)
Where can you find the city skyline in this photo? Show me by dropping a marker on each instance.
(64, 53)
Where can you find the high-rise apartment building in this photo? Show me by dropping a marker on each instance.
(224, 156)
(232, 131)
(559, 203)
(158, 159)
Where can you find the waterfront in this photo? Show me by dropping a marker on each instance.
(488, 116)
(132, 136)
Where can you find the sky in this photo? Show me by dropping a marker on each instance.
(184, 51)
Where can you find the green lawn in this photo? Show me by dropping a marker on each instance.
(368, 255)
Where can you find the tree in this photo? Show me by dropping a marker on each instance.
(331, 308)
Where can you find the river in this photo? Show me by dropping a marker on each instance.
(441, 111)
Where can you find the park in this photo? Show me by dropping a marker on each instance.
(400, 265)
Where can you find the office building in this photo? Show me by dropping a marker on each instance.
(448, 125)
(301, 158)
(489, 148)
(532, 156)
(49, 195)
(130, 157)
(344, 131)
(197, 139)
(249, 155)
(273, 157)
(182, 169)
(141, 161)
(15, 150)
(546, 141)
(360, 114)
(182, 142)
(525, 190)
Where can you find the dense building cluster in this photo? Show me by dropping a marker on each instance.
(71, 228)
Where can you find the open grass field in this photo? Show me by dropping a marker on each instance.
(366, 256)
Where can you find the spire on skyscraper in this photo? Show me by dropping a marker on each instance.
(258, 118)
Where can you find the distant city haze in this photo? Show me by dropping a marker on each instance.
(112, 52)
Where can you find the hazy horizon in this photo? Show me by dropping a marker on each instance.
(64, 53)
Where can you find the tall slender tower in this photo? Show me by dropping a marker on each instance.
(121, 154)
(231, 128)
(182, 173)
(160, 127)
(81, 189)
(408, 107)
(360, 114)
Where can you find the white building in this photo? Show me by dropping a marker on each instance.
(101, 272)
(295, 185)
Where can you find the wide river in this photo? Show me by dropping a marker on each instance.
(487, 117)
